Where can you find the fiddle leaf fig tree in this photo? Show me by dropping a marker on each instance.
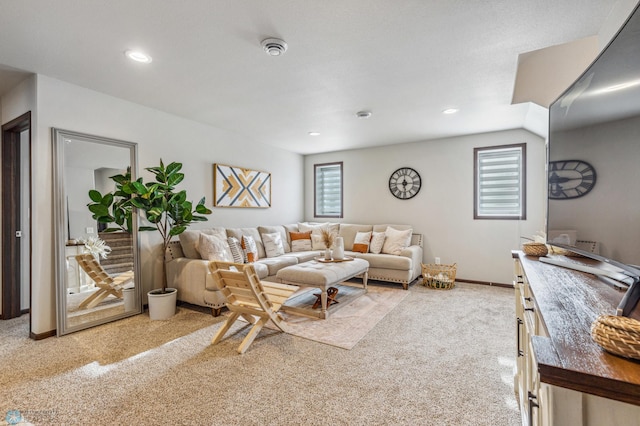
(114, 207)
(166, 208)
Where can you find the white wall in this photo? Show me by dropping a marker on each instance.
(159, 135)
(443, 209)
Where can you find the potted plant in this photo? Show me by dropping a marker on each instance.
(164, 207)
(170, 213)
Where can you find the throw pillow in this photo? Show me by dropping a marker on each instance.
(361, 242)
(250, 248)
(395, 241)
(273, 244)
(377, 241)
(212, 247)
(300, 241)
(236, 250)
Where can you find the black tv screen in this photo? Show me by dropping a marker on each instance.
(594, 159)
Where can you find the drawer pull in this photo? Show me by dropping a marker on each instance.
(519, 322)
(532, 404)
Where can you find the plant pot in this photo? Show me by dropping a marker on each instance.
(327, 254)
(129, 296)
(162, 306)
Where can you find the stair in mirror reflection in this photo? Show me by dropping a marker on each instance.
(121, 257)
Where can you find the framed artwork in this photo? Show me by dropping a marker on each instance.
(239, 187)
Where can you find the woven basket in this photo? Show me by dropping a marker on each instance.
(441, 277)
(618, 335)
(535, 249)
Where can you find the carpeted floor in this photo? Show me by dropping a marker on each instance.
(438, 358)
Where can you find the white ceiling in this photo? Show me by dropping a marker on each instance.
(404, 60)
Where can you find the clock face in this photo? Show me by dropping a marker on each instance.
(405, 183)
(570, 179)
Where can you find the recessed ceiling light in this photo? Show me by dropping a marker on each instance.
(450, 111)
(136, 55)
(314, 133)
(363, 114)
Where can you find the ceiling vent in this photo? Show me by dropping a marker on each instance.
(274, 46)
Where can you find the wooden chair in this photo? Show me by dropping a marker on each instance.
(256, 301)
(106, 283)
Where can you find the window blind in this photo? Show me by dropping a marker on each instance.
(328, 187)
(500, 182)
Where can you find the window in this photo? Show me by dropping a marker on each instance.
(500, 182)
(328, 186)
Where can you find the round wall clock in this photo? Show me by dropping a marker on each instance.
(570, 179)
(405, 183)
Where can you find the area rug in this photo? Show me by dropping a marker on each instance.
(346, 326)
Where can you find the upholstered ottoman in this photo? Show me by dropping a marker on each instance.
(323, 275)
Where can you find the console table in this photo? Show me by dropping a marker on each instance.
(562, 376)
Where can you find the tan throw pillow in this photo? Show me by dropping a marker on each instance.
(300, 241)
(212, 247)
(395, 241)
(377, 241)
(250, 248)
(273, 244)
(361, 242)
(237, 254)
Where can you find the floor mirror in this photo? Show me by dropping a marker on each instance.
(97, 272)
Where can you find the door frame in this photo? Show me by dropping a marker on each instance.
(12, 216)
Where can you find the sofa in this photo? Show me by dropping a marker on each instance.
(188, 271)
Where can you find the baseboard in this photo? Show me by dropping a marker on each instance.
(40, 336)
(463, 280)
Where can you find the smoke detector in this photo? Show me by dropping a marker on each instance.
(274, 46)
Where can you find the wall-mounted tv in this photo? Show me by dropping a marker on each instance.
(594, 161)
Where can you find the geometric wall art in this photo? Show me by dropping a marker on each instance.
(238, 187)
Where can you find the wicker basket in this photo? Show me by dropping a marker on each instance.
(442, 277)
(618, 335)
(535, 249)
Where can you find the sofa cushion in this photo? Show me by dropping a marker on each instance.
(214, 247)
(273, 245)
(384, 261)
(274, 264)
(250, 248)
(251, 232)
(377, 241)
(395, 240)
(237, 254)
(189, 240)
(304, 256)
(348, 233)
(300, 241)
(280, 230)
(361, 242)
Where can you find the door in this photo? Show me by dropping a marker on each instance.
(16, 142)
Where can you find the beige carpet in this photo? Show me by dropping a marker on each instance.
(347, 324)
(438, 358)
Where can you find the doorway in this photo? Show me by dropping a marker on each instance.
(16, 217)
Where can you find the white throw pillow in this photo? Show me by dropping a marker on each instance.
(212, 247)
(273, 244)
(395, 241)
(250, 248)
(377, 241)
(237, 254)
(317, 242)
(361, 242)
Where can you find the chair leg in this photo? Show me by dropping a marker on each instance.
(93, 300)
(220, 334)
(253, 333)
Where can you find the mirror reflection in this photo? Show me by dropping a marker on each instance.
(97, 282)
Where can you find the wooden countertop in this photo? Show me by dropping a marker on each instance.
(568, 302)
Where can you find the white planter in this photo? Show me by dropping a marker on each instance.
(162, 306)
(129, 296)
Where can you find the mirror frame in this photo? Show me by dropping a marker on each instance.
(60, 219)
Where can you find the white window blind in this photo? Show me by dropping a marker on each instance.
(328, 187)
(500, 190)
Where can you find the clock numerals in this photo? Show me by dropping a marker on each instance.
(404, 183)
(570, 179)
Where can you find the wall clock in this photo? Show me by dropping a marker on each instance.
(570, 179)
(405, 183)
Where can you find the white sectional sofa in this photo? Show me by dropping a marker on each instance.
(189, 273)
